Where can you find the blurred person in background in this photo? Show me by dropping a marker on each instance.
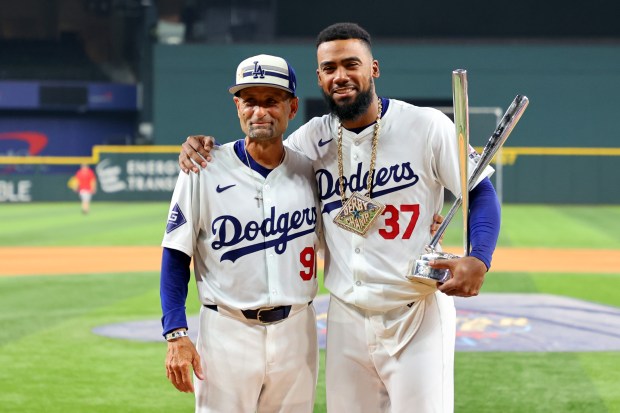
(84, 182)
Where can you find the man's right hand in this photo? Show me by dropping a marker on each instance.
(196, 147)
(182, 357)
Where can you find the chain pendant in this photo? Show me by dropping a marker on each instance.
(358, 214)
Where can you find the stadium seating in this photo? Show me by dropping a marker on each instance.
(63, 59)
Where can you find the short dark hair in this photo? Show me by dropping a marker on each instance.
(343, 31)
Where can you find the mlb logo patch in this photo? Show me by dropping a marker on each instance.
(175, 219)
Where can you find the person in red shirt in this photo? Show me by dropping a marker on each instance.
(86, 186)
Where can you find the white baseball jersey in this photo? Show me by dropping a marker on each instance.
(417, 156)
(248, 254)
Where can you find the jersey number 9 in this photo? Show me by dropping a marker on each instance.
(308, 261)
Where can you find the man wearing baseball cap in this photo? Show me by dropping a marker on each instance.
(251, 226)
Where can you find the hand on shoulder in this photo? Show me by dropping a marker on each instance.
(197, 148)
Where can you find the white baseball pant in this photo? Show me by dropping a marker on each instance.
(250, 367)
(361, 377)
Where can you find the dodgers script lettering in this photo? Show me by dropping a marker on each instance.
(329, 186)
(229, 232)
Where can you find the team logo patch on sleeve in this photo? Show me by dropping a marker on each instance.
(175, 219)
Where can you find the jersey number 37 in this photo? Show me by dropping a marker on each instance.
(391, 215)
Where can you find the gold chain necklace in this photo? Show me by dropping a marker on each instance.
(359, 212)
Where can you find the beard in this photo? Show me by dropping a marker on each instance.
(350, 110)
(261, 134)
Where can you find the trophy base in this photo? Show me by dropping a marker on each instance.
(422, 271)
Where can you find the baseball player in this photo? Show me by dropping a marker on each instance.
(250, 226)
(86, 186)
(390, 341)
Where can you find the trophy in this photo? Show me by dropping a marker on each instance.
(420, 270)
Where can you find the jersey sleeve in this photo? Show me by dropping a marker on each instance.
(295, 140)
(304, 141)
(174, 279)
(484, 221)
(183, 215)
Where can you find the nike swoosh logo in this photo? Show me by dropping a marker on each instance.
(323, 143)
(223, 188)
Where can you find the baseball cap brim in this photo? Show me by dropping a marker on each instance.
(237, 88)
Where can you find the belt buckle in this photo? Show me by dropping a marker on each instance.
(261, 310)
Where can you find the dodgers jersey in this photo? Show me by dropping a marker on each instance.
(248, 254)
(417, 156)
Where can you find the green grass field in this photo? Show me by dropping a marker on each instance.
(52, 362)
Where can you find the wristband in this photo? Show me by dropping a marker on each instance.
(176, 334)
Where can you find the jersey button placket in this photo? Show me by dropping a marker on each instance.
(357, 265)
(272, 262)
(272, 275)
(266, 197)
(357, 260)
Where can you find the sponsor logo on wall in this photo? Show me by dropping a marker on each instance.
(137, 175)
(15, 191)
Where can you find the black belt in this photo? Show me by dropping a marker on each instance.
(265, 315)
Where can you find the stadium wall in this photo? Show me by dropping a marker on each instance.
(124, 173)
(564, 149)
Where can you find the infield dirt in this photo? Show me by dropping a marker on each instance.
(93, 260)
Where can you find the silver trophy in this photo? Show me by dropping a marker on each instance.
(420, 270)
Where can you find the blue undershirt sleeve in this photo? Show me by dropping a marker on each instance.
(175, 275)
(484, 221)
